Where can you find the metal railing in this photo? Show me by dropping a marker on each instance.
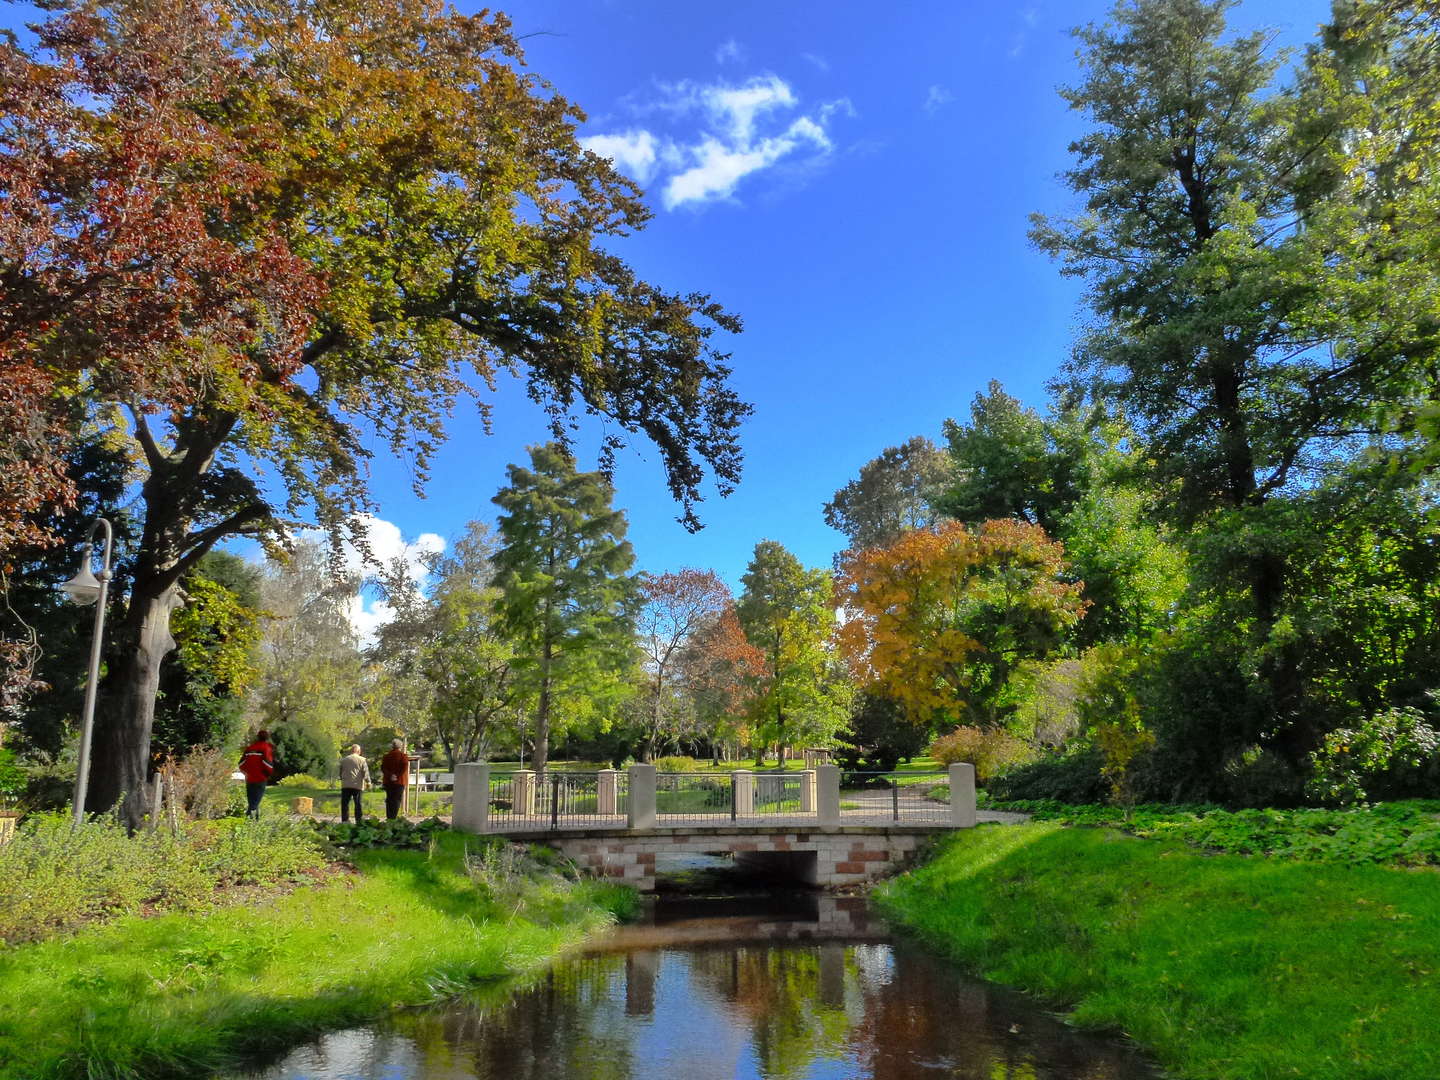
(908, 797)
(550, 800)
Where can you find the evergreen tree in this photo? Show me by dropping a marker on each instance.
(566, 599)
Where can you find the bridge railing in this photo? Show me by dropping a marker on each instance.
(915, 798)
(640, 798)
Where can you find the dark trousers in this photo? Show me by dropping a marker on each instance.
(393, 794)
(253, 794)
(347, 794)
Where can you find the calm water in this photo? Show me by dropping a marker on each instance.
(793, 985)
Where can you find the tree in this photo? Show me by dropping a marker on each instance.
(205, 681)
(675, 607)
(788, 614)
(403, 214)
(566, 601)
(1009, 461)
(444, 650)
(311, 671)
(1263, 284)
(721, 671)
(940, 619)
(892, 494)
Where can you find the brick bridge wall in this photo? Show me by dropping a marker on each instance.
(835, 857)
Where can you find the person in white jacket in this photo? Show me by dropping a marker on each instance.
(354, 779)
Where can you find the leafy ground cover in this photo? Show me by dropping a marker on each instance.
(1225, 967)
(1395, 834)
(185, 994)
(54, 878)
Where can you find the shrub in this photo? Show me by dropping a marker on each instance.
(54, 878)
(676, 763)
(1394, 753)
(303, 780)
(12, 778)
(298, 749)
(201, 782)
(373, 833)
(1073, 777)
(991, 752)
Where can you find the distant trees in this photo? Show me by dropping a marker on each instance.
(942, 617)
(893, 493)
(675, 611)
(567, 602)
(788, 614)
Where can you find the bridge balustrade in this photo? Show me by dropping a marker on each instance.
(642, 798)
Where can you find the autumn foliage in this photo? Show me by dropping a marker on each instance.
(938, 619)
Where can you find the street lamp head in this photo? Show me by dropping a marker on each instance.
(84, 588)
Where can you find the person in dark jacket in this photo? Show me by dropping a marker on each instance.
(257, 763)
(394, 775)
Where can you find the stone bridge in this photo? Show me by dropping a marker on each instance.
(821, 845)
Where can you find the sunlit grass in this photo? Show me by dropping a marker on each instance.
(1226, 967)
(185, 995)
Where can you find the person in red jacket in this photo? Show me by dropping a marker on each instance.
(394, 775)
(257, 763)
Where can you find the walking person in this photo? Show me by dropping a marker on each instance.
(257, 764)
(394, 775)
(354, 778)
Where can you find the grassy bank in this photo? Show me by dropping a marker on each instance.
(1223, 966)
(184, 994)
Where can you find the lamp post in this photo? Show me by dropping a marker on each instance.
(86, 588)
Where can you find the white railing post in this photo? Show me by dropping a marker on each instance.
(470, 810)
(642, 797)
(807, 791)
(605, 788)
(522, 799)
(962, 795)
(744, 781)
(827, 794)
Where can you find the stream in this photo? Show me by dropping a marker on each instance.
(756, 983)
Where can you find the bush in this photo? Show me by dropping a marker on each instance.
(1073, 777)
(374, 833)
(1391, 755)
(54, 878)
(991, 752)
(299, 750)
(12, 778)
(303, 780)
(201, 782)
(676, 763)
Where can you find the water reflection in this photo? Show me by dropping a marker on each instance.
(742, 994)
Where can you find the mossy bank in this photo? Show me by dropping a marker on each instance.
(188, 994)
(1222, 966)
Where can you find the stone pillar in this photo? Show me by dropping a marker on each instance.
(642, 797)
(807, 791)
(962, 795)
(605, 789)
(470, 811)
(522, 793)
(827, 794)
(744, 781)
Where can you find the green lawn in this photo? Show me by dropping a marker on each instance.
(1226, 967)
(182, 995)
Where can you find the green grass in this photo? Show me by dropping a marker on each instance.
(1397, 834)
(183, 995)
(1225, 967)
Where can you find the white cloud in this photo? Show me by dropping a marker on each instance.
(633, 151)
(730, 52)
(937, 98)
(818, 62)
(743, 129)
(387, 545)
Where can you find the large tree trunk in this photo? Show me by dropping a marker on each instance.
(172, 496)
(121, 758)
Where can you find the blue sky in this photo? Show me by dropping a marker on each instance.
(854, 180)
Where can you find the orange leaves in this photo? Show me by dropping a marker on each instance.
(937, 618)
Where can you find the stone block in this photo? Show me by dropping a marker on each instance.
(849, 868)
